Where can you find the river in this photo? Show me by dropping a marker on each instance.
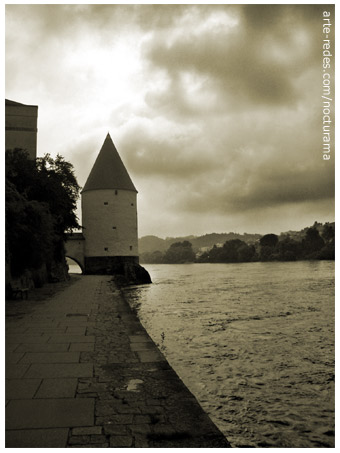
(254, 342)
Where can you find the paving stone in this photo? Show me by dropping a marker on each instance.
(16, 370)
(88, 387)
(140, 339)
(152, 409)
(141, 419)
(141, 441)
(88, 430)
(115, 334)
(87, 395)
(150, 356)
(163, 429)
(20, 338)
(123, 419)
(21, 388)
(146, 346)
(13, 357)
(76, 330)
(105, 408)
(106, 445)
(53, 370)
(44, 347)
(140, 428)
(45, 331)
(57, 388)
(51, 357)
(77, 323)
(121, 441)
(82, 347)
(127, 409)
(71, 339)
(79, 440)
(11, 347)
(87, 357)
(97, 438)
(49, 413)
(37, 438)
(117, 430)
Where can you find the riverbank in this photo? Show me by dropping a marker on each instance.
(260, 336)
(81, 371)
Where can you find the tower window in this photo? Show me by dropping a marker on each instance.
(116, 192)
(130, 247)
(132, 204)
(106, 249)
(106, 202)
(114, 228)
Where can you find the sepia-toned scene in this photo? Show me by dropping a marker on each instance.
(170, 226)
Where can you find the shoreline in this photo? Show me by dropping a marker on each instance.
(112, 384)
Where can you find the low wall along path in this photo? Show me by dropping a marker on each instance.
(81, 371)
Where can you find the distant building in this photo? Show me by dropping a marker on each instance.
(21, 127)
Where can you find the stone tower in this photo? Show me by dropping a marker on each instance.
(109, 215)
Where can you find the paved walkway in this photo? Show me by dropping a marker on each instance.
(81, 371)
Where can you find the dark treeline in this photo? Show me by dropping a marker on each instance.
(270, 247)
(41, 198)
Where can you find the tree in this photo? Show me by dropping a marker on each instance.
(41, 198)
(233, 251)
(328, 233)
(289, 249)
(312, 243)
(269, 240)
(179, 252)
(156, 257)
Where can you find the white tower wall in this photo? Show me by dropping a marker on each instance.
(109, 218)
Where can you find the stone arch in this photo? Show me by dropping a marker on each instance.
(74, 249)
(77, 262)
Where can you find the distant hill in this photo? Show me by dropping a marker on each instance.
(299, 235)
(149, 244)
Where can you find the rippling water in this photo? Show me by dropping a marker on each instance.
(254, 342)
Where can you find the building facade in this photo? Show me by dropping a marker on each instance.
(21, 127)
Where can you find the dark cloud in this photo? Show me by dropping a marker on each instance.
(177, 156)
(214, 109)
(256, 61)
(273, 188)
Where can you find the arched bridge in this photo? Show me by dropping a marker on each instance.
(74, 248)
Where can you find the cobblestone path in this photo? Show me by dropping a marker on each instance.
(81, 371)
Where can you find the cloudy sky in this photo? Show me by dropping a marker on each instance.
(215, 110)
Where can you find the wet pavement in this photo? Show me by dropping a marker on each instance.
(82, 372)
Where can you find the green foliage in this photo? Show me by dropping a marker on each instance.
(156, 257)
(270, 248)
(179, 252)
(233, 251)
(41, 198)
(289, 249)
(307, 244)
(312, 243)
(269, 240)
(328, 233)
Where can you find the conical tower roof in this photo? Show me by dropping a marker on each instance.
(108, 171)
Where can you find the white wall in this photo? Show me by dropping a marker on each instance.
(98, 220)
